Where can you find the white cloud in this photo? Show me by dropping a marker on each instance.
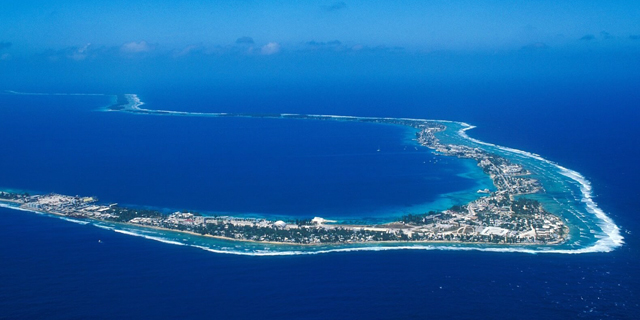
(136, 47)
(79, 53)
(270, 48)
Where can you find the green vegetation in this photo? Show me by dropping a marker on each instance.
(126, 214)
(524, 206)
(298, 235)
(12, 195)
(418, 219)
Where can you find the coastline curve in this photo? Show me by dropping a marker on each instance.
(608, 239)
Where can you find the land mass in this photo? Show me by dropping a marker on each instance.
(503, 216)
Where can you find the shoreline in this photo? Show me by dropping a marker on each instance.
(289, 244)
(510, 184)
(408, 241)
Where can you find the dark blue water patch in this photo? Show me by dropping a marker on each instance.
(284, 167)
(55, 269)
(51, 268)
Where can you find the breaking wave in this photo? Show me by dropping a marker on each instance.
(221, 249)
(611, 237)
(53, 94)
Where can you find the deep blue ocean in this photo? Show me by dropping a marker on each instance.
(54, 269)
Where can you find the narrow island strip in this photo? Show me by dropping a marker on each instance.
(504, 216)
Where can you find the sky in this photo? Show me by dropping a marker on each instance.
(239, 39)
(415, 25)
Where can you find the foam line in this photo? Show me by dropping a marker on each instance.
(614, 238)
(260, 253)
(75, 221)
(163, 240)
(53, 94)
